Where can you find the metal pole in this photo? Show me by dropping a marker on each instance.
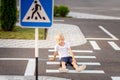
(36, 52)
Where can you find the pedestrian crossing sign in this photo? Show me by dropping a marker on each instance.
(36, 13)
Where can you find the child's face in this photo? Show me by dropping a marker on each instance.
(60, 40)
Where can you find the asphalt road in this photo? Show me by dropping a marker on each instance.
(100, 7)
(102, 62)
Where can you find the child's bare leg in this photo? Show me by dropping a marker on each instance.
(63, 65)
(74, 65)
(78, 68)
(63, 69)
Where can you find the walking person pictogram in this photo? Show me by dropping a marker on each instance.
(36, 13)
(36, 9)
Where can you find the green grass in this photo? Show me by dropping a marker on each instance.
(21, 33)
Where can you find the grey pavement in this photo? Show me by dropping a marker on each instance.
(30, 78)
(72, 34)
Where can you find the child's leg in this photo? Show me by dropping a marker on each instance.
(78, 68)
(74, 65)
(63, 65)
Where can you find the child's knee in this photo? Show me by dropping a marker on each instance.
(74, 63)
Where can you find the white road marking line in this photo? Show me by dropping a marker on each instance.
(107, 32)
(75, 56)
(91, 16)
(95, 45)
(79, 63)
(115, 78)
(15, 58)
(73, 71)
(114, 45)
(21, 59)
(51, 50)
(30, 69)
(59, 20)
(100, 39)
(81, 51)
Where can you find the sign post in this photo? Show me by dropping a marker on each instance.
(36, 14)
(36, 52)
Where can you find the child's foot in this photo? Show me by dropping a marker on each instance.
(63, 70)
(81, 68)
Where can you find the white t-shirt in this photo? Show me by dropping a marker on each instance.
(62, 50)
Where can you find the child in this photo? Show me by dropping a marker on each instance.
(65, 55)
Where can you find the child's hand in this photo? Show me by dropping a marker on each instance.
(51, 59)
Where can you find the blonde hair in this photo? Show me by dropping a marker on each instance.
(59, 35)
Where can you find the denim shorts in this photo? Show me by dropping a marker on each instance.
(66, 60)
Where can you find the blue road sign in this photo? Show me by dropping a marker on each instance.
(36, 13)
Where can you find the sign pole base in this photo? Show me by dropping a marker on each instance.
(36, 68)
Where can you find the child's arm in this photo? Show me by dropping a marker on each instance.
(71, 53)
(54, 56)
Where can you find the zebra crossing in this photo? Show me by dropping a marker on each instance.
(112, 44)
(79, 63)
(95, 46)
(88, 63)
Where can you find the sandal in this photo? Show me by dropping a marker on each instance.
(63, 70)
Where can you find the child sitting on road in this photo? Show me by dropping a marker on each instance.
(66, 55)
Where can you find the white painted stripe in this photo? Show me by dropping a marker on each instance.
(81, 51)
(95, 45)
(107, 32)
(76, 56)
(12, 59)
(73, 71)
(115, 78)
(114, 45)
(30, 69)
(100, 39)
(51, 50)
(20, 77)
(59, 20)
(15, 58)
(43, 59)
(79, 63)
(91, 16)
